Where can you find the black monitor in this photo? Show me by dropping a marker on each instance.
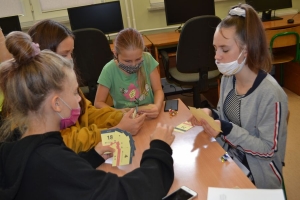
(179, 11)
(9, 24)
(266, 7)
(106, 17)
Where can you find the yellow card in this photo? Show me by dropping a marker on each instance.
(116, 154)
(183, 127)
(200, 114)
(134, 114)
(125, 156)
(144, 107)
(108, 136)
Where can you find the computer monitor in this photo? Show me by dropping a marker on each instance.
(9, 24)
(266, 7)
(179, 11)
(106, 17)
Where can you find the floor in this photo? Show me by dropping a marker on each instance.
(291, 171)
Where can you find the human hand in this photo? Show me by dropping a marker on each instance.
(194, 121)
(208, 129)
(151, 110)
(130, 124)
(105, 151)
(163, 132)
(207, 111)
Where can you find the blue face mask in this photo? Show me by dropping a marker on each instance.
(129, 68)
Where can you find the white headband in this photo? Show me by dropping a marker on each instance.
(238, 11)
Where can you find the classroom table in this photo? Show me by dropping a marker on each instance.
(196, 155)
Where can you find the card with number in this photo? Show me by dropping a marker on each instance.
(123, 144)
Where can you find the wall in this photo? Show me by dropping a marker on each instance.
(146, 21)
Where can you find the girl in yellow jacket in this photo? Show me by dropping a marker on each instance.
(85, 134)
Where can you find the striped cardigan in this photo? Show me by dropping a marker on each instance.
(263, 131)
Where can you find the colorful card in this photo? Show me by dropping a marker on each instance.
(183, 127)
(123, 144)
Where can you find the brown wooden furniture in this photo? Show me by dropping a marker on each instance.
(163, 40)
(291, 70)
(196, 157)
(284, 47)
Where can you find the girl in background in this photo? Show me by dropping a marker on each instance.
(85, 133)
(43, 86)
(132, 78)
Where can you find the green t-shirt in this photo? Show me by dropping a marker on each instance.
(124, 88)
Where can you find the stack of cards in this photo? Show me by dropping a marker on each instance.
(123, 144)
(183, 127)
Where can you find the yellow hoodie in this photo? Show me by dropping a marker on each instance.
(85, 134)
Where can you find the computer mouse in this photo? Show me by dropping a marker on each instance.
(290, 21)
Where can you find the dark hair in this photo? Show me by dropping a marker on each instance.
(27, 79)
(49, 34)
(250, 33)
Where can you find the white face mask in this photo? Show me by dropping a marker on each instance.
(231, 68)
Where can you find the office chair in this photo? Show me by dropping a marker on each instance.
(91, 52)
(281, 54)
(195, 62)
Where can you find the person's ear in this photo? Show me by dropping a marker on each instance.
(56, 104)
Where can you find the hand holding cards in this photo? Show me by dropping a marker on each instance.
(123, 144)
(200, 114)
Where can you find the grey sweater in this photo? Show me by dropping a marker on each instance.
(263, 131)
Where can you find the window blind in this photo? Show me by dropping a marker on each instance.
(10, 8)
(52, 5)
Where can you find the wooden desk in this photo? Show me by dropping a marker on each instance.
(196, 157)
(163, 40)
(278, 24)
(291, 70)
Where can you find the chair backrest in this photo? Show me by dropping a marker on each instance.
(195, 51)
(91, 52)
(285, 39)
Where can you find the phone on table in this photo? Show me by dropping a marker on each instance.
(183, 193)
(171, 104)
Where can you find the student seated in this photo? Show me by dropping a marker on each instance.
(132, 78)
(43, 86)
(252, 109)
(85, 133)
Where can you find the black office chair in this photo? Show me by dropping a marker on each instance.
(195, 63)
(91, 53)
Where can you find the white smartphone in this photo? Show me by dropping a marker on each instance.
(183, 193)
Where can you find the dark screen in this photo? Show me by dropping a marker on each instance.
(179, 11)
(264, 5)
(9, 24)
(179, 195)
(106, 17)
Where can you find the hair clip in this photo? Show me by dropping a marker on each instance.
(36, 48)
(238, 11)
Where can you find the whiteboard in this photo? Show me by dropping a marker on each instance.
(11, 8)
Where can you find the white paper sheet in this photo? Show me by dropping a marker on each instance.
(244, 194)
